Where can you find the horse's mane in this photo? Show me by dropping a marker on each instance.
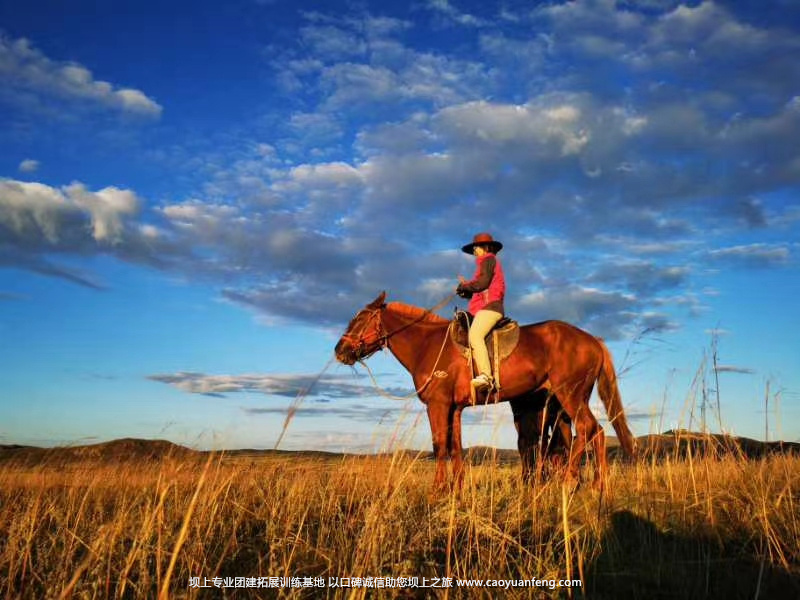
(415, 312)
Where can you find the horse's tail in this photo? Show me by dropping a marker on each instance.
(609, 393)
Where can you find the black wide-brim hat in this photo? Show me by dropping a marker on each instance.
(483, 239)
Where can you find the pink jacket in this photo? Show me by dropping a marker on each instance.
(487, 289)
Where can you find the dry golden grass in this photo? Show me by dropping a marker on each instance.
(678, 529)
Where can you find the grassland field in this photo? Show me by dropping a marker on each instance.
(216, 525)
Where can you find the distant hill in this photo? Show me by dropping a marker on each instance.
(126, 449)
(672, 443)
(681, 442)
(139, 450)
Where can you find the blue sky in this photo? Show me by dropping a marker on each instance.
(195, 198)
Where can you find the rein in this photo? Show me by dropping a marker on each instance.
(434, 373)
(384, 340)
(428, 311)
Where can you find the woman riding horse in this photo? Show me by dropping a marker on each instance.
(485, 291)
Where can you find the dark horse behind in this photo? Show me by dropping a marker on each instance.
(552, 358)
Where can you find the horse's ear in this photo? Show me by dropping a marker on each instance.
(379, 301)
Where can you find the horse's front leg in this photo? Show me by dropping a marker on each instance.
(439, 419)
(456, 449)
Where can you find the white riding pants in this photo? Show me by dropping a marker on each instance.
(482, 324)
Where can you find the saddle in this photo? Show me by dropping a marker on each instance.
(501, 341)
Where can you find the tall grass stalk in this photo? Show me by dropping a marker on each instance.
(694, 527)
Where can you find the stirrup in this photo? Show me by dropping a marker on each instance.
(482, 381)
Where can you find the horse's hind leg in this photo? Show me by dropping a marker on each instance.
(598, 440)
(575, 401)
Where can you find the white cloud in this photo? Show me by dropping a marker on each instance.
(581, 300)
(26, 69)
(107, 208)
(37, 215)
(753, 255)
(447, 10)
(585, 23)
(38, 223)
(28, 165)
(706, 25)
(289, 385)
(336, 174)
(332, 42)
(642, 277)
(33, 210)
(604, 313)
(197, 213)
(358, 84)
(136, 102)
(367, 67)
(546, 130)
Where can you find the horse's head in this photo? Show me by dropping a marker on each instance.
(364, 335)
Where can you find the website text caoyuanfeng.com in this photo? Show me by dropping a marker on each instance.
(377, 582)
(509, 583)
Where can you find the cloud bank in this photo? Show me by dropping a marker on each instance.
(26, 70)
(622, 153)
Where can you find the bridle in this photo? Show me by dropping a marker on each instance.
(381, 338)
(359, 341)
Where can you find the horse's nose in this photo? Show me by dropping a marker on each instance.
(346, 358)
(344, 354)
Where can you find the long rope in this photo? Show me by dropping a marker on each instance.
(428, 311)
(386, 394)
(424, 314)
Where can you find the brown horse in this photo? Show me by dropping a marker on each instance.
(552, 358)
